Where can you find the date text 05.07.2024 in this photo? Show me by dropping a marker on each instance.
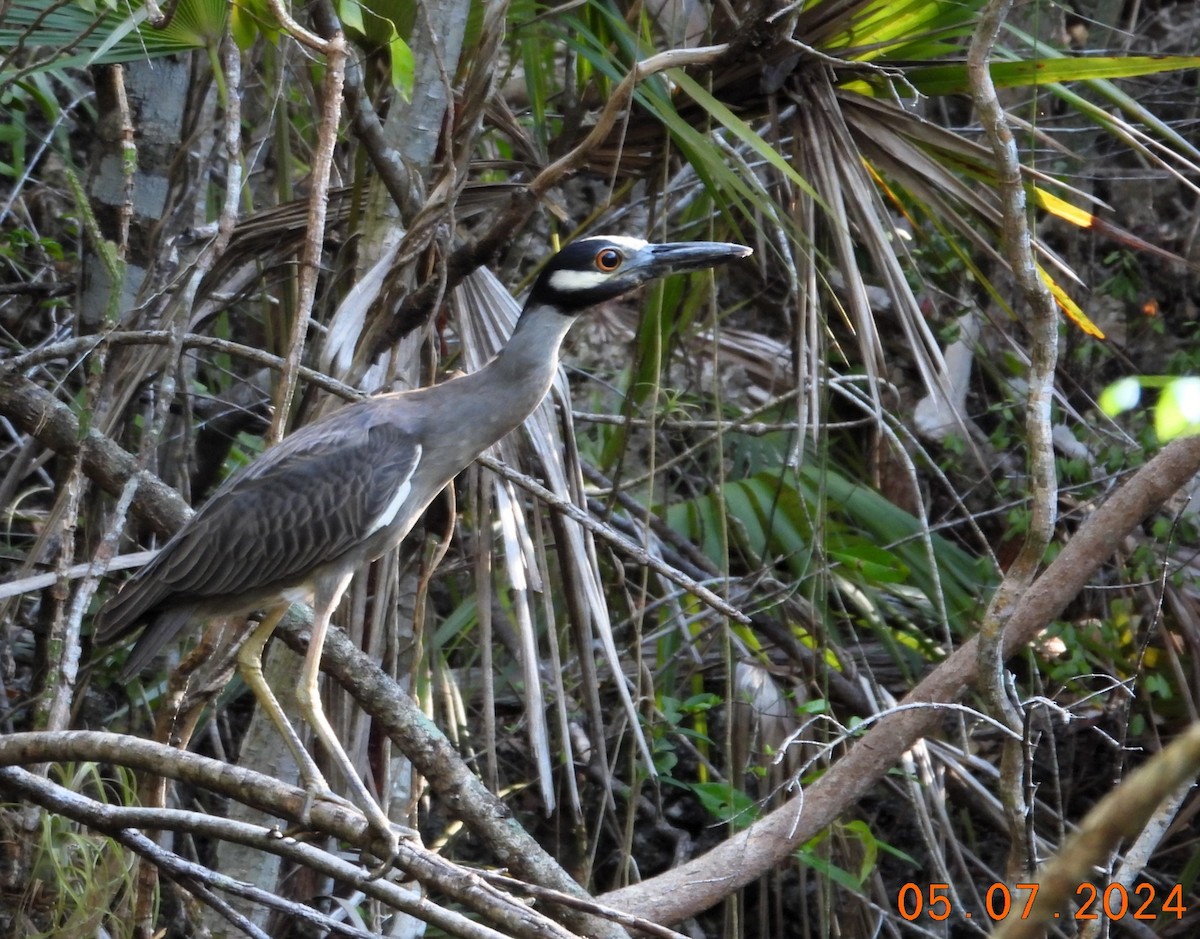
(1112, 902)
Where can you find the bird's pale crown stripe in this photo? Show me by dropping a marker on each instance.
(621, 241)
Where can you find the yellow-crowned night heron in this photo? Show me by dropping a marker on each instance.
(298, 522)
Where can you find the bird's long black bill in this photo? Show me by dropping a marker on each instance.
(693, 255)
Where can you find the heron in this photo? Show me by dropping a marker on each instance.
(299, 521)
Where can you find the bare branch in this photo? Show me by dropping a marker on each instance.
(1120, 815)
(314, 238)
(38, 413)
(695, 886)
(299, 33)
(1043, 354)
(269, 795)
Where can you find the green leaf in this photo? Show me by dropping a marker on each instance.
(243, 25)
(809, 856)
(1178, 411)
(952, 79)
(350, 13)
(744, 520)
(197, 23)
(1120, 396)
(726, 803)
(743, 131)
(915, 29)
(874, 563)
(869, 844)
(109, 38)
(403, 66)
(961, 581)
(1103, 116)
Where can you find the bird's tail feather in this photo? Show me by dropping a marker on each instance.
(159, 631)
(134, 605)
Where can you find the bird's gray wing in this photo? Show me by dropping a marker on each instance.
(302, 504)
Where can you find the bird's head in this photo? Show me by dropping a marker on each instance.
(592, 270)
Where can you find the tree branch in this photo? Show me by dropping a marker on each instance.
(269, 795)
(693, 887)
(38, 413)
(314, 238)
(1043, 479)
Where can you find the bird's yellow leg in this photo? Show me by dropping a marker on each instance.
(327, 594)
(250, 665)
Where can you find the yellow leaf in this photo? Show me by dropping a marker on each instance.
(1063, 209)
(1069, 307)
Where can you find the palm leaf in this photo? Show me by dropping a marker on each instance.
(67, 35)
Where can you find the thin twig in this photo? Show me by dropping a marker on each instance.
(615, 107)
(314, 240)
(614, 538)
(620, 917)
(1043, 336)
(81, 346)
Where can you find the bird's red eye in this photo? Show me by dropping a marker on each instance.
(608, 260)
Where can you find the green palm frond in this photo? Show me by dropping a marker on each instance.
(69, 35)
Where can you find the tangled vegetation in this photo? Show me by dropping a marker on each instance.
(821, 599)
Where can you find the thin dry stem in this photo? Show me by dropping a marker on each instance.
(314, 241)
(1119, 815)
(1043, 333)
(697, 885)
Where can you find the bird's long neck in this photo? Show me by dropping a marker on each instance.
(531, 355)
(499, 396)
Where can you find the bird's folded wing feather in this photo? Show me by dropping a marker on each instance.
(301, 505)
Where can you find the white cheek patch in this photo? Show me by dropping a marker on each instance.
(385, 517)
(568, 281)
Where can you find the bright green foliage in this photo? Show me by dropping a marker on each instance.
(1176, 412)
(384, 24)
(952, 79)
(815, 854)
(117, 36)
(725, 803)
(83, 876)
(772, 518)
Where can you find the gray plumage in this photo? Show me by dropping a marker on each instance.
(309, 507)
(303, 517)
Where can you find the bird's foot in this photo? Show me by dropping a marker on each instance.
(322, 793)
(386, 844)
(386, 835)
